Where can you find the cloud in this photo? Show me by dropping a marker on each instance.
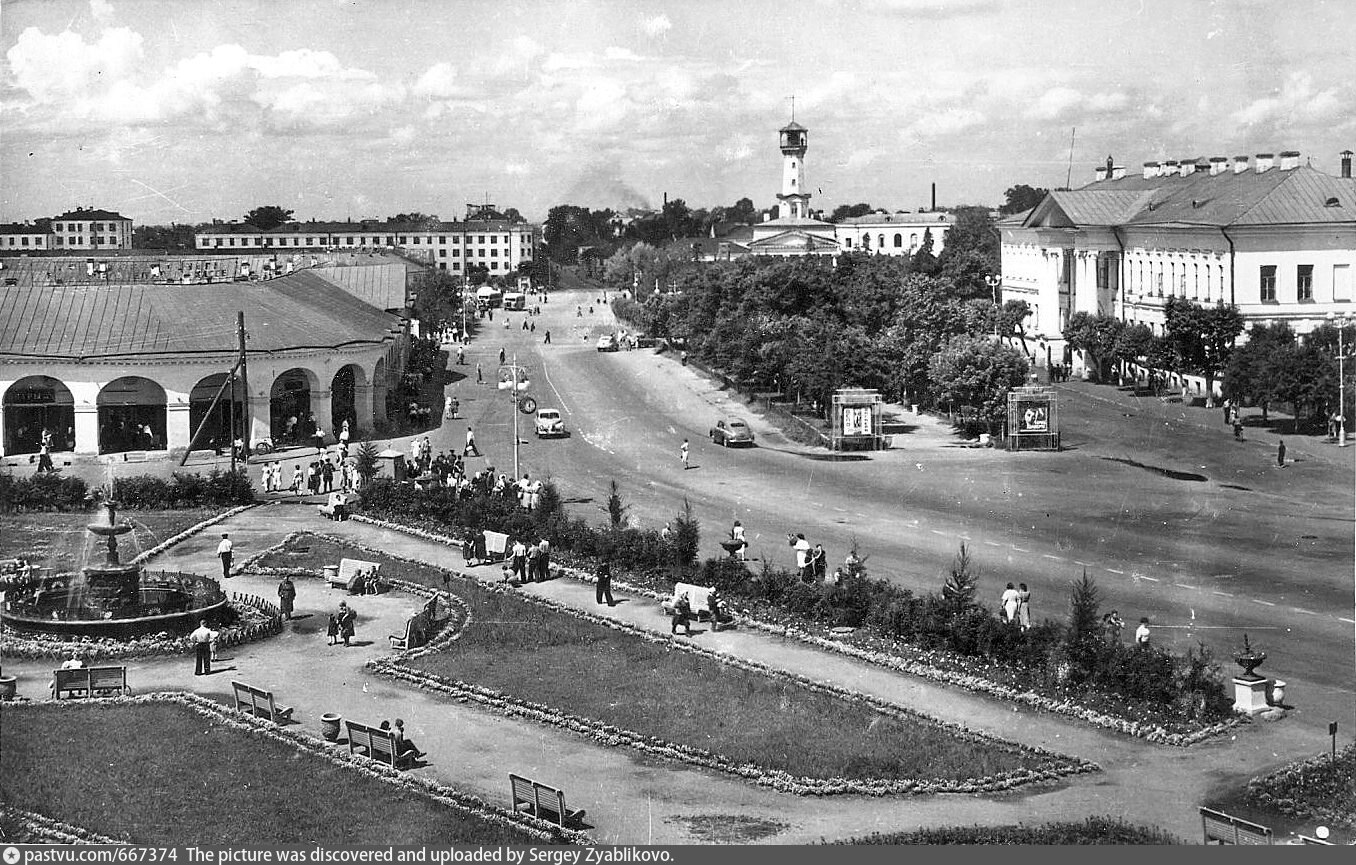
(931, 8)
(657, 25)
(935, 124)
(439, 81)
(1061, 102)
(517, 169)
(53, 68)
(1296, 101)
(102, 10)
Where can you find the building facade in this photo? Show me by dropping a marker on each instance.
(499, 245)
(1274, 238)
(885, 233)
(87, 228)
(20, 237)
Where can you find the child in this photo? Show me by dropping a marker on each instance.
(332, 629)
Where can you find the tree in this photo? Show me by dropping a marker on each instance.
(366, 461)
(1012, 320)
(686, 536)
(616, 508)
(1083, 641)
(1097, 336)
(923, 261)
(268, 216)
(1133, 342)
(961, 585)
(976, 371)
(848, 211)
(171, 236)
(438, 298)
(569, 227)
(1202, 337)
(1021, 197)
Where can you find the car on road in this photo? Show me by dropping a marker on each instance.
(549, 423)
(608, 342)
(731, 431)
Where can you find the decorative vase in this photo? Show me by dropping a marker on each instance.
(1249, 660)
(329, 726)
(8, 687)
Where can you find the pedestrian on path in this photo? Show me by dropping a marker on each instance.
(737, 535)
(224, 550)
(471, 449)
(1228, 406)
(603, 588)
(480, 377)
(1238, 428)
(287, 596)
(543, 560)
(461, 355)
(266, 477)
(518, 562)
(332, 629)
(1142, 633)
(202, 649)
(1280, 453)
(1023, 607)
(1009, 602)
(45, 452)
(683, 454)
(298, 478)
(346, 618)
(548, 338)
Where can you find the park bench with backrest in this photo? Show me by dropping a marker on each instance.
(496, 544)
(542, 801)
(337, 507)
(90, 682)
(417, 627)
(357, 576)
(699, 597)
(1221, 828)
(258, 702)
(377, 744)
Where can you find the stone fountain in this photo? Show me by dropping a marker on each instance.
(113, 599)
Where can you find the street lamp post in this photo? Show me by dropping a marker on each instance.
(994, 281)
(1341, 380)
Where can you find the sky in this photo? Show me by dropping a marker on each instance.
(172, 111)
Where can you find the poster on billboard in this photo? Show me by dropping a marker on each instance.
(856, 420)
(1034, 417)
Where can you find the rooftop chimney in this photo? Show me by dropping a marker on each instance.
(1289, 160)
(1218, 165)
(1263, 163)
(1346, 163)
(1099, 173)
(1117, 172)
(1240, 164)
(1150, 170)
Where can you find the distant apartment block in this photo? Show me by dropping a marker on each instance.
(87, 228)
(23, 236)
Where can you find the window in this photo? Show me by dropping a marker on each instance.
(847, 242)
(880, 241)
(442, 238)
(402, 240)
(480, 238)
(1195, 282)
(231, 241)
(442, 253)
(1304, 282)
(494, 265)
(456, 253)
(866, 241)
(1158, 282)
(494, 253)
(913, 243)
(25, 241)
(899, 241)
(1268, 283)
(1341, 282)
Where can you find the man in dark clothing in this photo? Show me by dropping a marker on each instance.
(1280, 453)
(202, 649)
(604, 585)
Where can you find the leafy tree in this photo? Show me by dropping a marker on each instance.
(923, 260)
(973, 230)
(365, 461)
(961, 585)
(1021, 197)
(1202, 337)
(438, 298)
(568, 227)
(1097, 336)
(512, 215)
(268, 216)
(1012, 320)
(976, 371)
(171, 236)
(848, 211)
(968, 272)
(1083, 637)
(1132, 342)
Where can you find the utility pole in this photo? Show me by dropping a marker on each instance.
(238, 366)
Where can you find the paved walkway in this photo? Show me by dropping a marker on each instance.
(634, 799)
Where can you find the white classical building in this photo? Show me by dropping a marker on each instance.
(500, 245)
(900, 233)
(1273, 237)
(794, 232)
(117, 368)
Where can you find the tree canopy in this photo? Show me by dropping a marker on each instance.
(268, 216)
(1021, 197)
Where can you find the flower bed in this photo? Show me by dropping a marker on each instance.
(518, 828)
(730, 718)
(972, 674)
(1320, 789)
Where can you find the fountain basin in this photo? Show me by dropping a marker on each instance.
(121, 605)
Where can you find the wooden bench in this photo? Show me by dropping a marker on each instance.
(377, 744)
(1221, 828)
(417, 627)
(259, 702)
(351, 571)
(496, 545)
(542, 801)
(700, 599)
(337, 507)
(90, 682)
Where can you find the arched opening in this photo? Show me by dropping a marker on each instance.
(899, 241)
(343, 397)
(131, 415)
(289, 407)
(880, 241)
(216, 432)
(866, 241)
(36, 403)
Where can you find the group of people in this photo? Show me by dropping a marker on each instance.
(531, 563)
(341, 624)
(318, 476)
(811, 562)
(1016, 604)
(1060, 371)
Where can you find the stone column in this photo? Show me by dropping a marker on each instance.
(363, 408)
(177, 429)
(86, 428)
(323, 411)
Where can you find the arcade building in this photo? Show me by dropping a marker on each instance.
(115, 368)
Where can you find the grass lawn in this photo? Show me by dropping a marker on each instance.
(165, 775)
(59, 540)
(1094, 830)
(534, 653)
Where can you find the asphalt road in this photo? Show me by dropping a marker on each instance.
(1171, 517)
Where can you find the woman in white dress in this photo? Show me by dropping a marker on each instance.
(1010, 601)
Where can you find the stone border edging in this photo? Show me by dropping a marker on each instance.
(978, 684)
(542, 830)
(52, 831)
(1055, 766)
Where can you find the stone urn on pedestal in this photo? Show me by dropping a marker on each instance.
(1250, 689)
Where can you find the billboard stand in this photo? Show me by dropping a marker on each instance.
(856, 420)
(1033, 419)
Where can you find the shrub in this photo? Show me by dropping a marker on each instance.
(42, 492)
(48, 492)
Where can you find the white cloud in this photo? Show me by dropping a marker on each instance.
(102, 10)
(657, 25)
(1296, 101)
(1061, 102)
(517, 169)
(64, 66)
(615, 52)
(439, 81)
(935, 124)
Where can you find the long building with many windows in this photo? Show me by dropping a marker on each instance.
(1275, 238)
(500, 246)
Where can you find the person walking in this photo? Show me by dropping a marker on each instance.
(1238, 428)
(346, 618)
(548, 338)
(471, 449)
(327, 475)
(332, 629)
(518, 562)
(1023, 607)
(603, 588)
(1280, 453)
(502, 356)
(802, 547)
(287, 596)
(266, 477)
(1010, 601)
(480, 377)
(543, 560)
(45, 452)
(202, 648)
(298, 478)
(737, 535)
(683, 454)
(461, 355)
(224, 552)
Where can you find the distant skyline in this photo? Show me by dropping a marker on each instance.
(170, 111)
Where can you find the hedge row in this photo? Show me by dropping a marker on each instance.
(59, 492)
